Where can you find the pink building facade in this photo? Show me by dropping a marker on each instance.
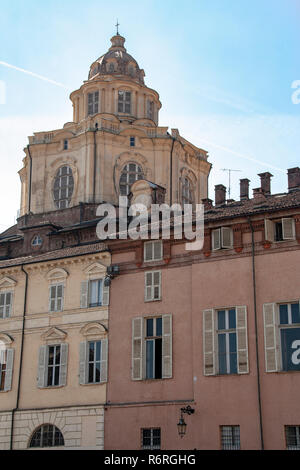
(218, 328)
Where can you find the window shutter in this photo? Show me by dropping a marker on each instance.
(157, 285)
(242, 340)
(60, 297)
(269, 230)
(9, 304)
(158, 249)
(2, 305)
(208, 342)
(166, 346)
(9, 369)
(148, 286)
(41, 379)
(105, 294)
(83, 355)
(137, 348)
(148, 251)
(288, 229)
(270, 337)
(226, 237)
(52, 295)
(103, 362)
(84, 290)
(63, 364)
(216, 239)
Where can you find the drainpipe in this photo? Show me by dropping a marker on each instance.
(171, 171)
(21, 360)
(256, 336)
(30, 179)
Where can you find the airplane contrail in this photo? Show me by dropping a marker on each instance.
(5, 64)
(245, 157)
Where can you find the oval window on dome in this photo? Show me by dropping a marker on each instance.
(63, 187)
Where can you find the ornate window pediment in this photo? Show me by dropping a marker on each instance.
(7, 283)
(95, 270)
(5, 339)
(93, 329)
(57, 274)
(54, 334)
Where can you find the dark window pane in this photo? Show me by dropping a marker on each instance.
(283, 313)
(159, 327)
(221, 320)
(290, 348)
(149, 327)
(295, 313)
(98, 350)
(91, 373)
(232, 319)
(222, 353)
(149, 359)
(158, 358)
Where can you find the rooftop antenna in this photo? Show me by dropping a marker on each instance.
(229, 175)
(117, 26)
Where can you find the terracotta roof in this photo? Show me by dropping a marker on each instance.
(57, 254)
(253, 206)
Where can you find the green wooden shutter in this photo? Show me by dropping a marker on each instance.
(270, 334)
(166, 346)
(208, 342)
(242, 340)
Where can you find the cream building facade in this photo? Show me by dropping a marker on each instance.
(54, 272)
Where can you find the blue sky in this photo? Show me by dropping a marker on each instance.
(223, 69)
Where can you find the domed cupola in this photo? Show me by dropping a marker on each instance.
(117, 63)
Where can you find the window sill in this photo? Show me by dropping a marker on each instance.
(153, 300)
(93, 383)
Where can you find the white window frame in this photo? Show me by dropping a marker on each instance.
(270, 232)
(99, 292)
(227, 331)
(84, 361)
(153, 258)
(6, 308)
(284, 326)
(56, 299)
(152, 290)
(219, 235)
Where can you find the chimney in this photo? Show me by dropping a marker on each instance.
(258, 195)
(294, 178)
(265, 182)
(244, 189)
(220, 194)
(207, 204)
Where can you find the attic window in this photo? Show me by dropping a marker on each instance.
(37, 241)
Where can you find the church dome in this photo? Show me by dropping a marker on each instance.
(117, 63)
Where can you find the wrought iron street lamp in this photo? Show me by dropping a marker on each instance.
(181, 425)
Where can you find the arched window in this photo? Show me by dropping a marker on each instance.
(63, 187)
(130, 173)
(47, 435)
(111, 67)
(187, 192)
